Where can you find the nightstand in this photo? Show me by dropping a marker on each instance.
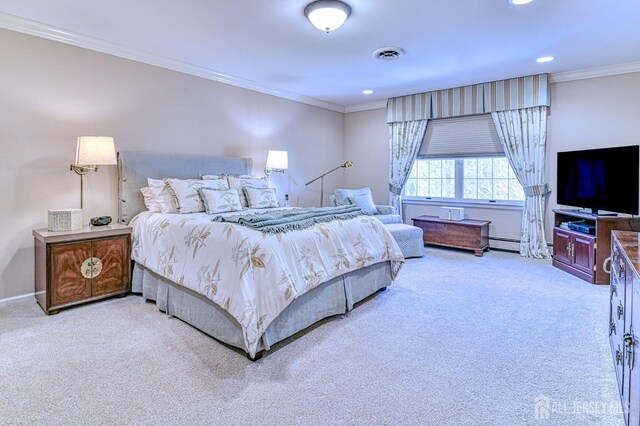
(74, 267)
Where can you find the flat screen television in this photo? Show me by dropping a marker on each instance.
(600, 179)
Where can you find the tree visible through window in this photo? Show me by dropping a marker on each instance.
(464, 179)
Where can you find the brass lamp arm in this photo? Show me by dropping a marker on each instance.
(321, 177)
(83, 170)
(341, 166)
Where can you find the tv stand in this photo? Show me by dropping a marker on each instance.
(582, 254)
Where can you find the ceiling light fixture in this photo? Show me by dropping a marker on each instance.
(367, 92)
(544, 59)
(519, 2)
(327, 15)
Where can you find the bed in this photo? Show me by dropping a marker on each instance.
(252, 305)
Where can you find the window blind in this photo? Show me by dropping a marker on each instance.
(468, 136)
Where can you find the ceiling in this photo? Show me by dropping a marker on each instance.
(270, 44)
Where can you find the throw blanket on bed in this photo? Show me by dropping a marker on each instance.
(254, 275)
(291, 220)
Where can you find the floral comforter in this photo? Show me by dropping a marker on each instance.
(252, 275)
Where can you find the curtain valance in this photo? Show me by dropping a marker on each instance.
(503, 95)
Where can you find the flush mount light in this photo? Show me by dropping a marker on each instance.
(367, 92)
(544, 59)
(519, 2)
(327, 15)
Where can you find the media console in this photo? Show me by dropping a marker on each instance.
(583, 254)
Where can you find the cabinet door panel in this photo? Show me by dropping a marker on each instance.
(114, 275)
(583, 253)
(632, 370)
(561, 241)
(67, 282)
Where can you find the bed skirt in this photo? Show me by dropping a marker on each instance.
(334, 297)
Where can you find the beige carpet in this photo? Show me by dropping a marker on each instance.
(456, 340)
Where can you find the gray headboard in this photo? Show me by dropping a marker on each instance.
(134, 167)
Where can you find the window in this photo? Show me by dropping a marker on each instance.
(464, 179)
(461, 159)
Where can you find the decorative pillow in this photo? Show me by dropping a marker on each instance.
(185, 192)
(261, 198)
(239, 182)
(342, 195)
(216, 181)
(220, 201)
(365, 202)
(150, 200)
(165, 200)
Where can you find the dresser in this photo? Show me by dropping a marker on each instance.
(624, 319)
(81, 266)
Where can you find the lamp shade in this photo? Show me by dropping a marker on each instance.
(277, 160)
(327, 15)
(95, 151)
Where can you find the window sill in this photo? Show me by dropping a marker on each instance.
(470, 204)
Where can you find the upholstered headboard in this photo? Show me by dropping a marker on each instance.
(134, 167)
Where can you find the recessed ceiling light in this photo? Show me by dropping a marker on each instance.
(520, 2)
(544, 59)
(367, 92)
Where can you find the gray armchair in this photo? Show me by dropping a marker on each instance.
(386, 214)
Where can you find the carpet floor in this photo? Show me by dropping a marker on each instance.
(456, 340)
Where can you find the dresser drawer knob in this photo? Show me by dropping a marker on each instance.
(629, 343)
(620, 310)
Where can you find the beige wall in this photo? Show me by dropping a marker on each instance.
(51, 93)
(590, 113)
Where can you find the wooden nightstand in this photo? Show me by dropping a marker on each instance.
(75, 267)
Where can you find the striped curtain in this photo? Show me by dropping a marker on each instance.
(503, 95)
(516, 93)
(466, 100)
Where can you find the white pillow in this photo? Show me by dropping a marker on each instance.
(239, 182)
(216, 181)
(261, 198)
(165, 200)
(365, 202)
(342, 195)
(186, 194)
(220, 201)
(150, 200)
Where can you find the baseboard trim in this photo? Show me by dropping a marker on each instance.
(20, 296)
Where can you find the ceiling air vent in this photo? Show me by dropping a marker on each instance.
(387, 53)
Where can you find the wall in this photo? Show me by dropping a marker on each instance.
(52, 93)
(590, 113)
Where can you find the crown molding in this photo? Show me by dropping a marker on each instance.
(605, 71)
(49, 32)
(366, 107)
